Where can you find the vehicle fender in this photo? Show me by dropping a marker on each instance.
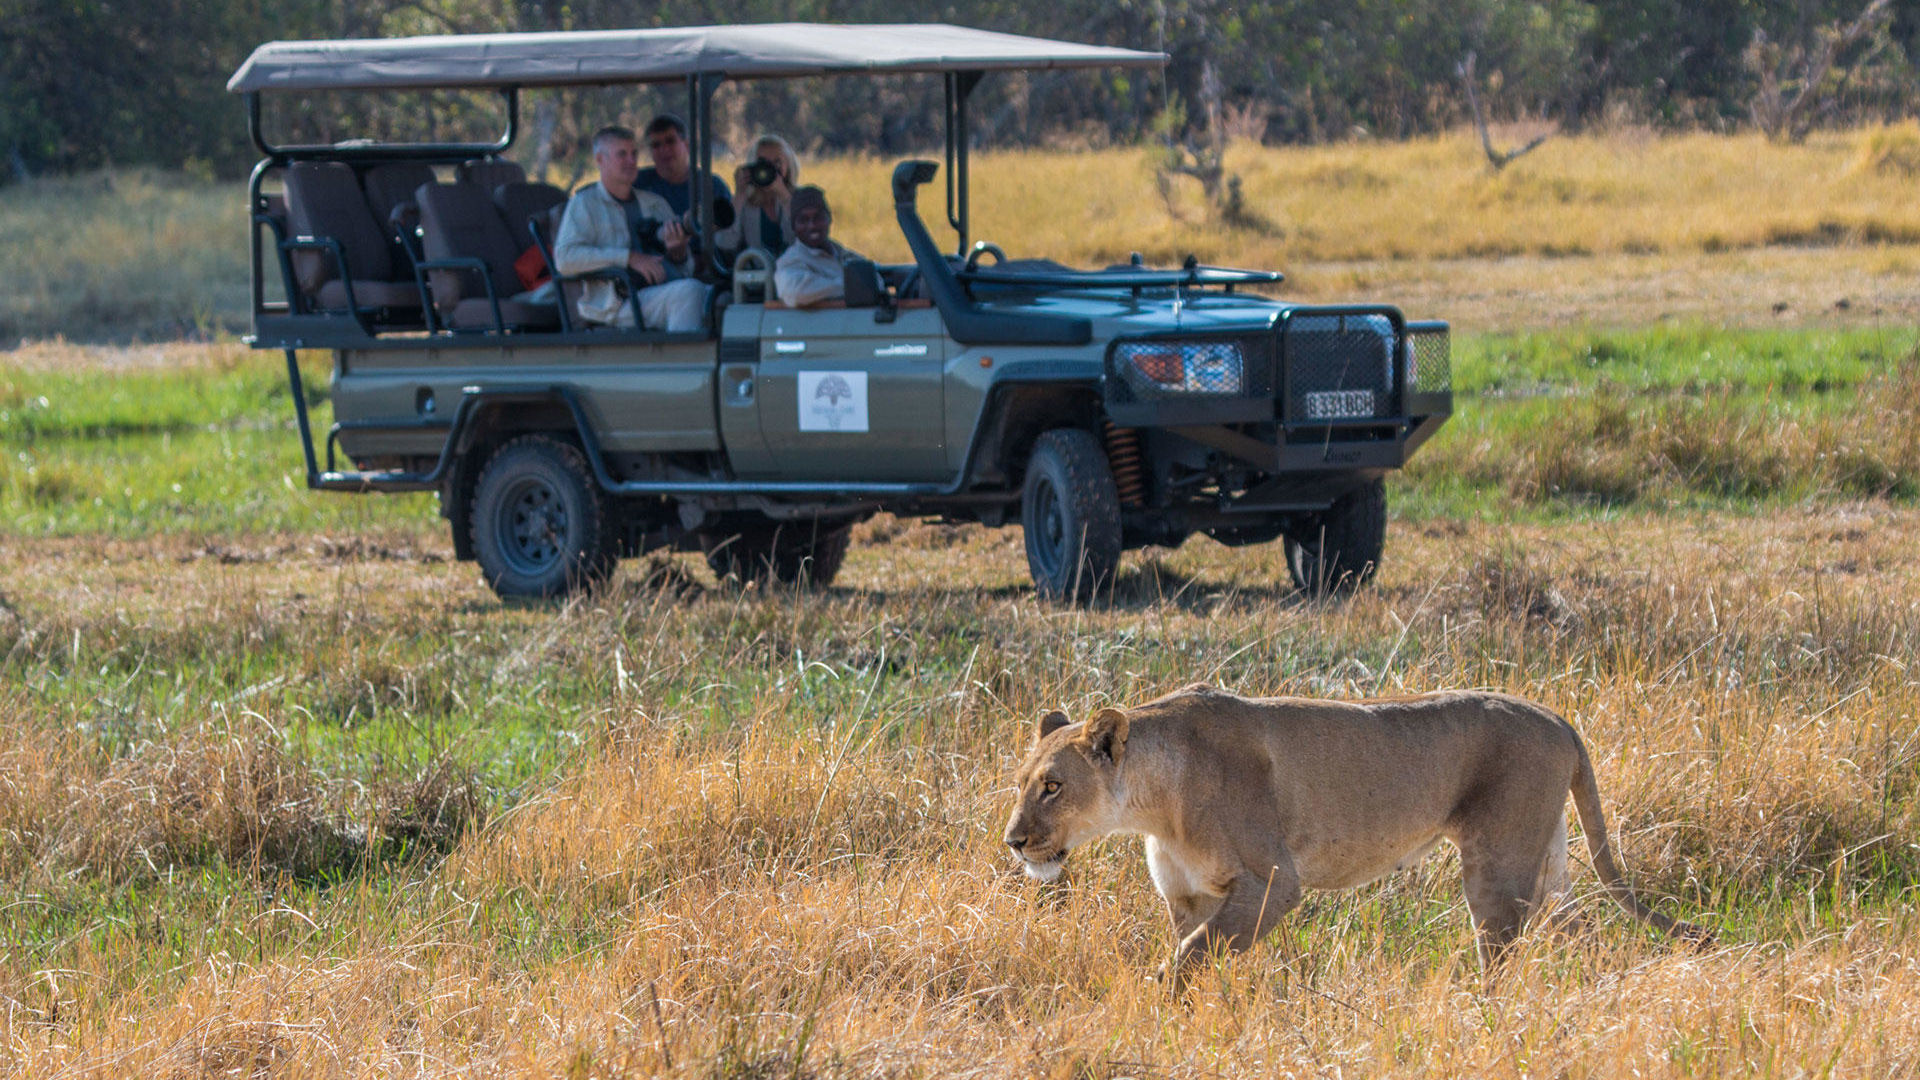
(1026, 400)
(493, 419)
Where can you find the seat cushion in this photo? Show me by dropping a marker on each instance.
(476, 313)
(332, 296)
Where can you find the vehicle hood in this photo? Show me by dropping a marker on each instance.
(1118, 313)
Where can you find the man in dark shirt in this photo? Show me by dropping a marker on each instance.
(672, 165)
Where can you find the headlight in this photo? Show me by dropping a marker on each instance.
(1214, 367)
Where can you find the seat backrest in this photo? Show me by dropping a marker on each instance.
(459, 221)
(518, 201)
(324, 200)
(393, 184)
(489, 173)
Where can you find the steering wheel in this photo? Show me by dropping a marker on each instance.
(983, 247)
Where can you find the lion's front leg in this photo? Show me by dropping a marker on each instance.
(1187, 912)
(1252, 907)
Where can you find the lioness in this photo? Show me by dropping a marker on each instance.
(1246, 801)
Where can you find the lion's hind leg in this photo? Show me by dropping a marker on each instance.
(1554, 901)
(1511, 874)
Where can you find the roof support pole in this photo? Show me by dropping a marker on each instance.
(960, 86)
(703, 87)
(451, 153)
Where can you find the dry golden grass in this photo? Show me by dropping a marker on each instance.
(1614, 229)
(775, 852)
(298, 805)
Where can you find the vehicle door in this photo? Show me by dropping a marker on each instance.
(844, 397)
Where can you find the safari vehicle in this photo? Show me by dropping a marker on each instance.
(1102, 410)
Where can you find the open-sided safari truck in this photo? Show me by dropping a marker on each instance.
(1102, 409)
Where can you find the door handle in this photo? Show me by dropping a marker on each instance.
(737, 385)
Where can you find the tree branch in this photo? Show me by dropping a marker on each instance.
(1497, 158)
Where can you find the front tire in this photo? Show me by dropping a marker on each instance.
(1070, 512)
(539, 524)
(1341, 550)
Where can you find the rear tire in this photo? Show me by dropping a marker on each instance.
(807, 553)
(1342, 549)
(540, 527)
(1070, 512)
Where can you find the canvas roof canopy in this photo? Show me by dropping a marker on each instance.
(599, 57)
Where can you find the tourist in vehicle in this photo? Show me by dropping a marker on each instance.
(812, 270)
(612, 224)
(672, 168)
(762, 199)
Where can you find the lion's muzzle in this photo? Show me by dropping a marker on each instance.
(1035, 858)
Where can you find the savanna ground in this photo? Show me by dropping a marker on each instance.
(285, 792)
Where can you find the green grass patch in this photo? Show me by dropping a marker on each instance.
(208, 449)
(1682, 358)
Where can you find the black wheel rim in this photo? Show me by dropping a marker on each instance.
(1050, 537)
(533, 526)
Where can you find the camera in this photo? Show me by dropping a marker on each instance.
(762, 173)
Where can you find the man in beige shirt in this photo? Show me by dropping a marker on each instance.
(812, 270)
(601, 230)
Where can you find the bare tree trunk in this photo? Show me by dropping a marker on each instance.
(1499, 159)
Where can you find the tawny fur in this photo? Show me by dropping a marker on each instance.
(1246, 802)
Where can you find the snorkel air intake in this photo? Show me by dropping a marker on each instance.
(967, 322)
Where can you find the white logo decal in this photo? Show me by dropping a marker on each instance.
(789, 346)
(833, 400)
(901, 350)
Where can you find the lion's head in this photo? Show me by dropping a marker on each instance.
(1069, 791)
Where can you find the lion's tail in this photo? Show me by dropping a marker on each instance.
(1586, 800)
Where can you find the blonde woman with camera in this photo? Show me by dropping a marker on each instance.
(762, 199)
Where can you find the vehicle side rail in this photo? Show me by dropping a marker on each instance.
(330, 245)
(474, 398)
(287, 280)
(468, 264)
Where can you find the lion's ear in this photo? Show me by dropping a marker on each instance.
(1049, 724)
(1106, 734)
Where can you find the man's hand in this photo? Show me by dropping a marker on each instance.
(675, 236)
(651, 268)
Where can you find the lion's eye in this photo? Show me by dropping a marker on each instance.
(1051, 787)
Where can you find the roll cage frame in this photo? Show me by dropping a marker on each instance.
(699, 91)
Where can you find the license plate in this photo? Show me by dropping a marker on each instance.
(1339, 404)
